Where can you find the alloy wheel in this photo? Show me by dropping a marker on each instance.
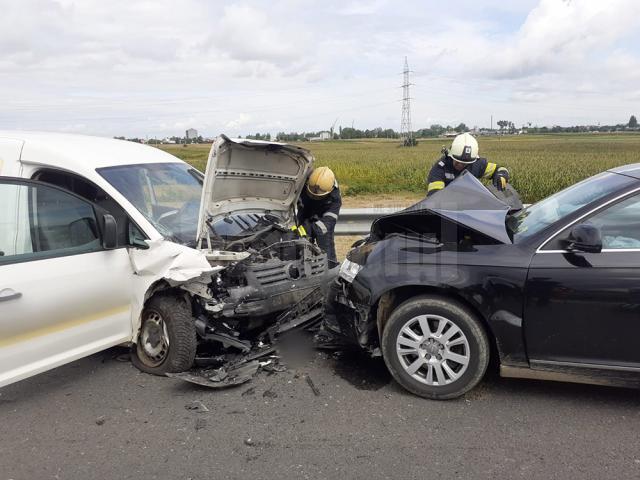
(433, 350)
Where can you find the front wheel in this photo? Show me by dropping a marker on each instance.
(167, 340)
(435, 348)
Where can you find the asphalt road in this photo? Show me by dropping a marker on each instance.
(100, 418)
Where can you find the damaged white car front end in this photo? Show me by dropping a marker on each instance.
(206, 268)
(265, 278)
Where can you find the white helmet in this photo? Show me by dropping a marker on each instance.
(464, 148)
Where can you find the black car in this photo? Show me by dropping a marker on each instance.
(551, 291)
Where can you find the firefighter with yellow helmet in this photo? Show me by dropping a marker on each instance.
(463, 155)
(319, 207)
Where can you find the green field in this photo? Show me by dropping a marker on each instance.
(539, 165)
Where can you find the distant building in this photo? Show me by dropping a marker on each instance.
(191, 133)
(323, 136)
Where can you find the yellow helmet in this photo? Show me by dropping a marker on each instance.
(321, 182)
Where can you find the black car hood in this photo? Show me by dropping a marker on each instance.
(465, 201)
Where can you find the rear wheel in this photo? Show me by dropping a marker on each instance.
(434, 347)
(167, 340)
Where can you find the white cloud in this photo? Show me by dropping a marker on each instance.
(154, 67)
(361, 7)
(241, 120)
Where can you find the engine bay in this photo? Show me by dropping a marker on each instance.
(277, 283)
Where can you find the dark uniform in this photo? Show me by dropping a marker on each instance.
(443, 172)
(319, 218)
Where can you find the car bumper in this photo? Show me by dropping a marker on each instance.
(349, 318)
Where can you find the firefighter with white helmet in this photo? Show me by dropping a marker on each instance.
(463, 155)
(318, 209)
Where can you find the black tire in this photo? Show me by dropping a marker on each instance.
(458, 315)
(179, 354)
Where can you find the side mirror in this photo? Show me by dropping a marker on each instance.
(584, 238)
(109, 232)
(136, 239)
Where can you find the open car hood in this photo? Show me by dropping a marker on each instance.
(247, 176)
(465, 201)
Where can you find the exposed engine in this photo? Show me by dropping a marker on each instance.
(252, 299)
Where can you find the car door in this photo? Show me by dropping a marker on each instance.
(62, 295)
(584, 308)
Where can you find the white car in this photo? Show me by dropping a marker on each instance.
(105, 242)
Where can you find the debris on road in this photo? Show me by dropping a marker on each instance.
(220, 377)
(313, 387)
(270, 393)
(249, 391)
(200, 424)
(100, 420)
(196, 405)
(243, 359)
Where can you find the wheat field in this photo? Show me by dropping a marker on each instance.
(539, 164)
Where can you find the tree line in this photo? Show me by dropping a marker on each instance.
(435, 130)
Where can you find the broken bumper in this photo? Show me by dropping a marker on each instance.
(349, 318)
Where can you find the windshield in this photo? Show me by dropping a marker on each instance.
(542, 214)
(167, 194)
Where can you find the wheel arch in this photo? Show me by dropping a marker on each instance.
(392, 298)
(159, 287)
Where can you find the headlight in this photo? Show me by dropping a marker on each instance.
(349, 270)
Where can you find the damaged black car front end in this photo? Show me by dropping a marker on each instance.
(416, 247)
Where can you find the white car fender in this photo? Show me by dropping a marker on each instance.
(163, 261)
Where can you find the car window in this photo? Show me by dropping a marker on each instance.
(167, 194)
(94, 194)
(560, 205)
(619, 224)
(37, 221)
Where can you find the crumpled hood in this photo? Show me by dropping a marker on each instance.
(246, 176)
(465, 201)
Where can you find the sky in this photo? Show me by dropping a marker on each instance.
(155, 68)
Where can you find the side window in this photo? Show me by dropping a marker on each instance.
(619, 224)
(37, 221)
(93, 193)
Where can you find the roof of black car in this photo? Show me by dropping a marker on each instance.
(631, 170)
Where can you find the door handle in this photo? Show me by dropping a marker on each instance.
(7, 294)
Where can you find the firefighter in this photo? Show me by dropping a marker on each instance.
(318, 209)
(462, 156)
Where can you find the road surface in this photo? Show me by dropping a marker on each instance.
(100, 418)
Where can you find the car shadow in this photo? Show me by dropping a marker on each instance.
(360, 370)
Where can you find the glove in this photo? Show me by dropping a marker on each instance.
(501, 179)
(300, 230)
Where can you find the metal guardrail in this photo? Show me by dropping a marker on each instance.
(357, 221)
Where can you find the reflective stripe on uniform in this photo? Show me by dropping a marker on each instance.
(439, 185)
(489, 170)
(503, 169)
(331, 214)
(321, 226)
(449, 176)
